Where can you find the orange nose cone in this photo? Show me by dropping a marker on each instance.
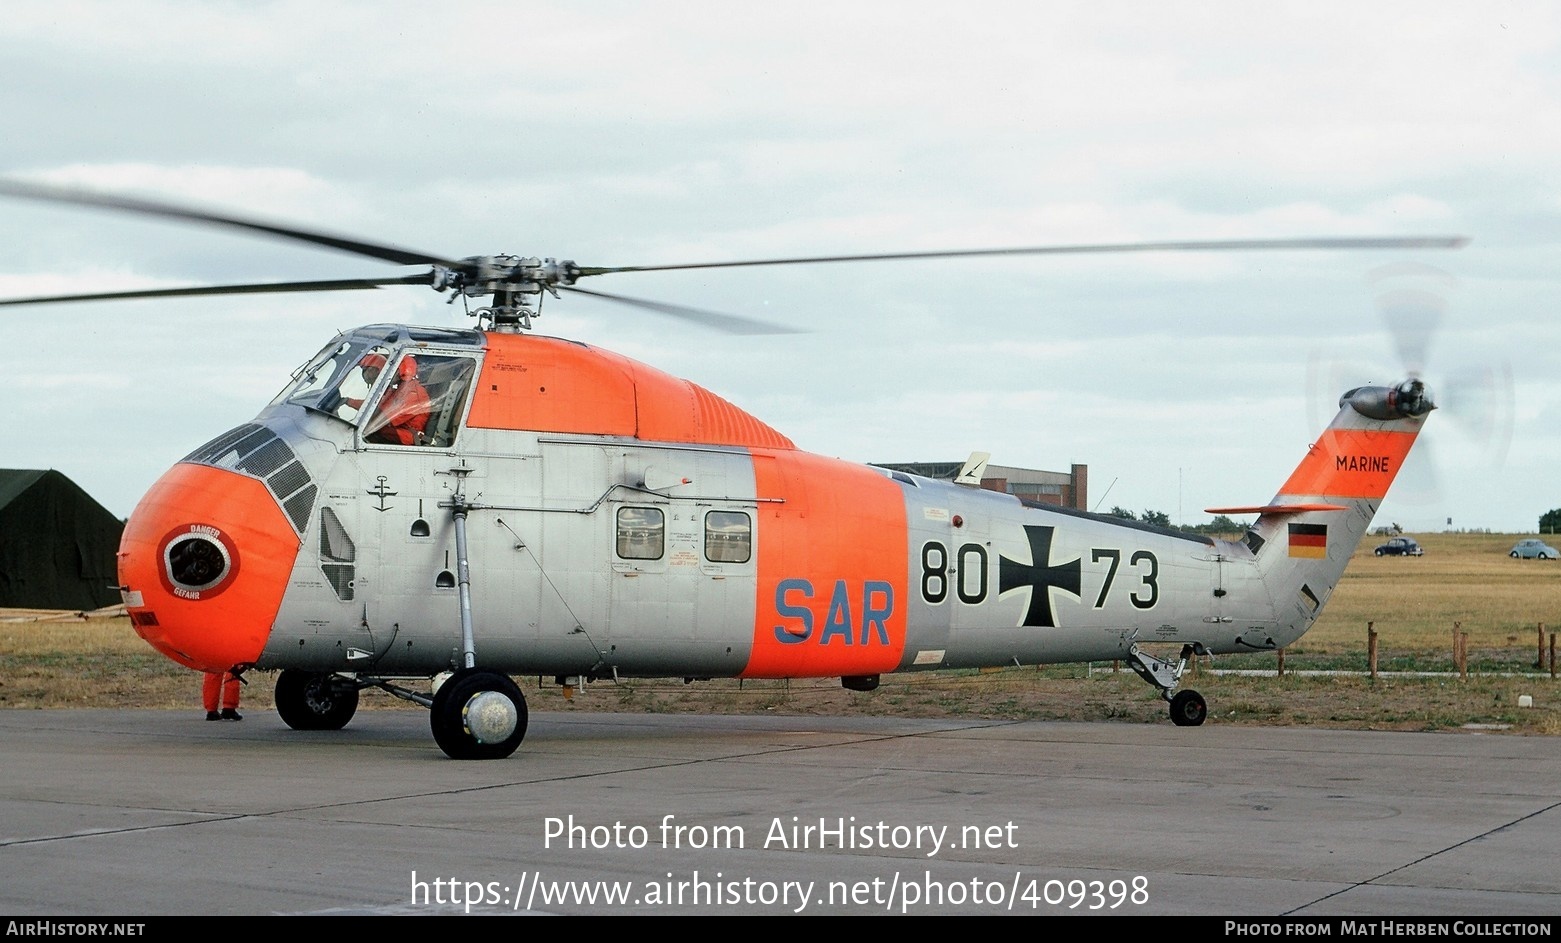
(204, 562)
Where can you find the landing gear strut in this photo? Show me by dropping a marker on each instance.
(478, 713)
(1188, 709)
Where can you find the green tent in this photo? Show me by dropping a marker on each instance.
(57, 545)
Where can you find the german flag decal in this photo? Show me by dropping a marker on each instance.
(1309, 540)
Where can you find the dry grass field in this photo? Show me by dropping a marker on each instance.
(1413, 604)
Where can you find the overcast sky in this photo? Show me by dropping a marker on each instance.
(645, 133)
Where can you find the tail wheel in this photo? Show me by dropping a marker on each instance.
(1188, 709)
(314, 700)
(478, 714)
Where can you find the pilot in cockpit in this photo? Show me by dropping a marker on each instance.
(402, 414)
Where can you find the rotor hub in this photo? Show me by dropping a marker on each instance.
(1411, 399)
(515, 284)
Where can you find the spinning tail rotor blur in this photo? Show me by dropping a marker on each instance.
(1475, 400)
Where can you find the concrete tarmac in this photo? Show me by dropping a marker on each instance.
(143, 813)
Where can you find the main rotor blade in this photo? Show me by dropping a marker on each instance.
(730, 323)
(349, 284)
(1215, 245)
(43, 192)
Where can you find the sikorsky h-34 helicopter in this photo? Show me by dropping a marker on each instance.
(455, 507)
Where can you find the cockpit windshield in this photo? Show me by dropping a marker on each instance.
(318, 385)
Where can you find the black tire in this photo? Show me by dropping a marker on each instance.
(1188, 709)
(1513, 554)
(1378, 552)
(448, 716)
(314, 700)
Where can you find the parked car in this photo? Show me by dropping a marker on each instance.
(1534, 549)
(1401, 547)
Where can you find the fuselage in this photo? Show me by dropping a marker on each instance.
(622, 522)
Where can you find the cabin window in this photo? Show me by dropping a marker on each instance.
(642, 533)
(728, 537)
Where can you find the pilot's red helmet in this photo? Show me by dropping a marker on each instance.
(377, 361)
(407, 368)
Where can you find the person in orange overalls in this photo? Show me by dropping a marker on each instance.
(220, 689)
(402, 414)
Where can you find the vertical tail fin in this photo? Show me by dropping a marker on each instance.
(1325, 507)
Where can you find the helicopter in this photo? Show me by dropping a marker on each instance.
(454, 507)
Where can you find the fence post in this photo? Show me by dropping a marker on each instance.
(1463, 655)
(1371, 649)
(1539, 655)
(1552, 654)
(1281, 663)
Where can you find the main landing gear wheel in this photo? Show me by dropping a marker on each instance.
(313, 700)
(1188, 709)
(478, 714)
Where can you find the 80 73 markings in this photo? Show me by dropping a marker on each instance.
(968, 572)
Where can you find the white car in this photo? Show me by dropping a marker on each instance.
(1534, 549)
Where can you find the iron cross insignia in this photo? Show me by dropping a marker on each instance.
(1040, 575)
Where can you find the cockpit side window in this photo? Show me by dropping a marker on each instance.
(449, 383)
(420, 403)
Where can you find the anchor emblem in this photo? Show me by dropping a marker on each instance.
(382, 494)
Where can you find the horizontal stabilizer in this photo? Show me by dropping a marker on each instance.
(1277, 509)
